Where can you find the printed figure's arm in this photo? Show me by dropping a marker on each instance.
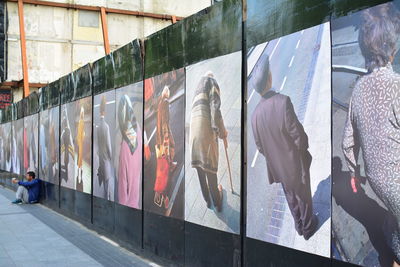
(350, 145)
(294, 127)
(217, 122)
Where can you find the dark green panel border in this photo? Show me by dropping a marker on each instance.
(164, 50)
(66, 88)
(49, 95)
(122, 67)
(82, 82)
(345, 7)
(103, 74)
(127, 64)
(214, 31)
(271, 19)
(32, 104)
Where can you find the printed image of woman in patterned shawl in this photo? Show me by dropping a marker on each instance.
(372, 133)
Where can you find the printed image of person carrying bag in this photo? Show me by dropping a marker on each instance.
(165, 150)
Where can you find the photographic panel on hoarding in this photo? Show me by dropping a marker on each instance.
(164, 144)
(3, 144)
(83, 143)
(213, 143)
(76, 131)
(31, 143)
(104, 145)
(366, 136)
(8, 146)
(288, 144)
(67, 146)
(43, 126)
(17, 144)
(128, 145)
(49, 145)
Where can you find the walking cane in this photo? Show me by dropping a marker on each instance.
(229, 165)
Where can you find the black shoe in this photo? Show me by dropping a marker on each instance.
(219, 207)
(299, 231)
(313, 228)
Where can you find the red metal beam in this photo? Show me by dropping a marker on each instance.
(23, 47)
(97, 8)
(16, 84)
(105, 31)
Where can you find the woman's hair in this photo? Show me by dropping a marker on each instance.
(378, 35)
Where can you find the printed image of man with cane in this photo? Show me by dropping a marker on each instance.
(206, 126)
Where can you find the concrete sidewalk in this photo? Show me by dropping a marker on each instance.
(33, 235)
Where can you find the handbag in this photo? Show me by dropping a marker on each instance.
(162, 171)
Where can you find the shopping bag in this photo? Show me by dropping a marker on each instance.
(162, 171)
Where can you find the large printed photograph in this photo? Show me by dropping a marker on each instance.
(10, 147)
(213, 143)
(31, 143)
(17, 144)
(49, 145)
(288, 143)
(76, 139)
(4, 146)
(104, 127)
(128, 145)
(164, 144)
(366, 137)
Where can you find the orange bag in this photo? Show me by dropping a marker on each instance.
(162, 172)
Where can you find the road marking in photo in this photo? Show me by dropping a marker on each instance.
(152, 134)
(255, 54)
(107, 103)
(251, 95)
(302, 32)
(273, 51)
(254, 159)
(297, 45)
(291, 61)
(283, 84)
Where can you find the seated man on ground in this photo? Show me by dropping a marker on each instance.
(28, 192)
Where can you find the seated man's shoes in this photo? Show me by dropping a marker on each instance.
(17, 201)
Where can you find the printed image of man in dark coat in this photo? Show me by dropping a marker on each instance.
(105, 172)
(281, 138)
(206, 126)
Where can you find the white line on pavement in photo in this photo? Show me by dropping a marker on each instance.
(107, 103)
(253, 163)
(297, 45)
(302, 32)
(283, 84)
(291, 61)
(251, 95)
(152, 134)
(273, 50)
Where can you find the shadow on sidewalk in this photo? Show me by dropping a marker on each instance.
(229, 215)
(321, 201)
(363, 209)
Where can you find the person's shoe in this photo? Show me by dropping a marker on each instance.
(313, 228)
(166, 202)
(17, 201)
(299, 231)
(219, 207)
(209, 204)
(173, 166)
